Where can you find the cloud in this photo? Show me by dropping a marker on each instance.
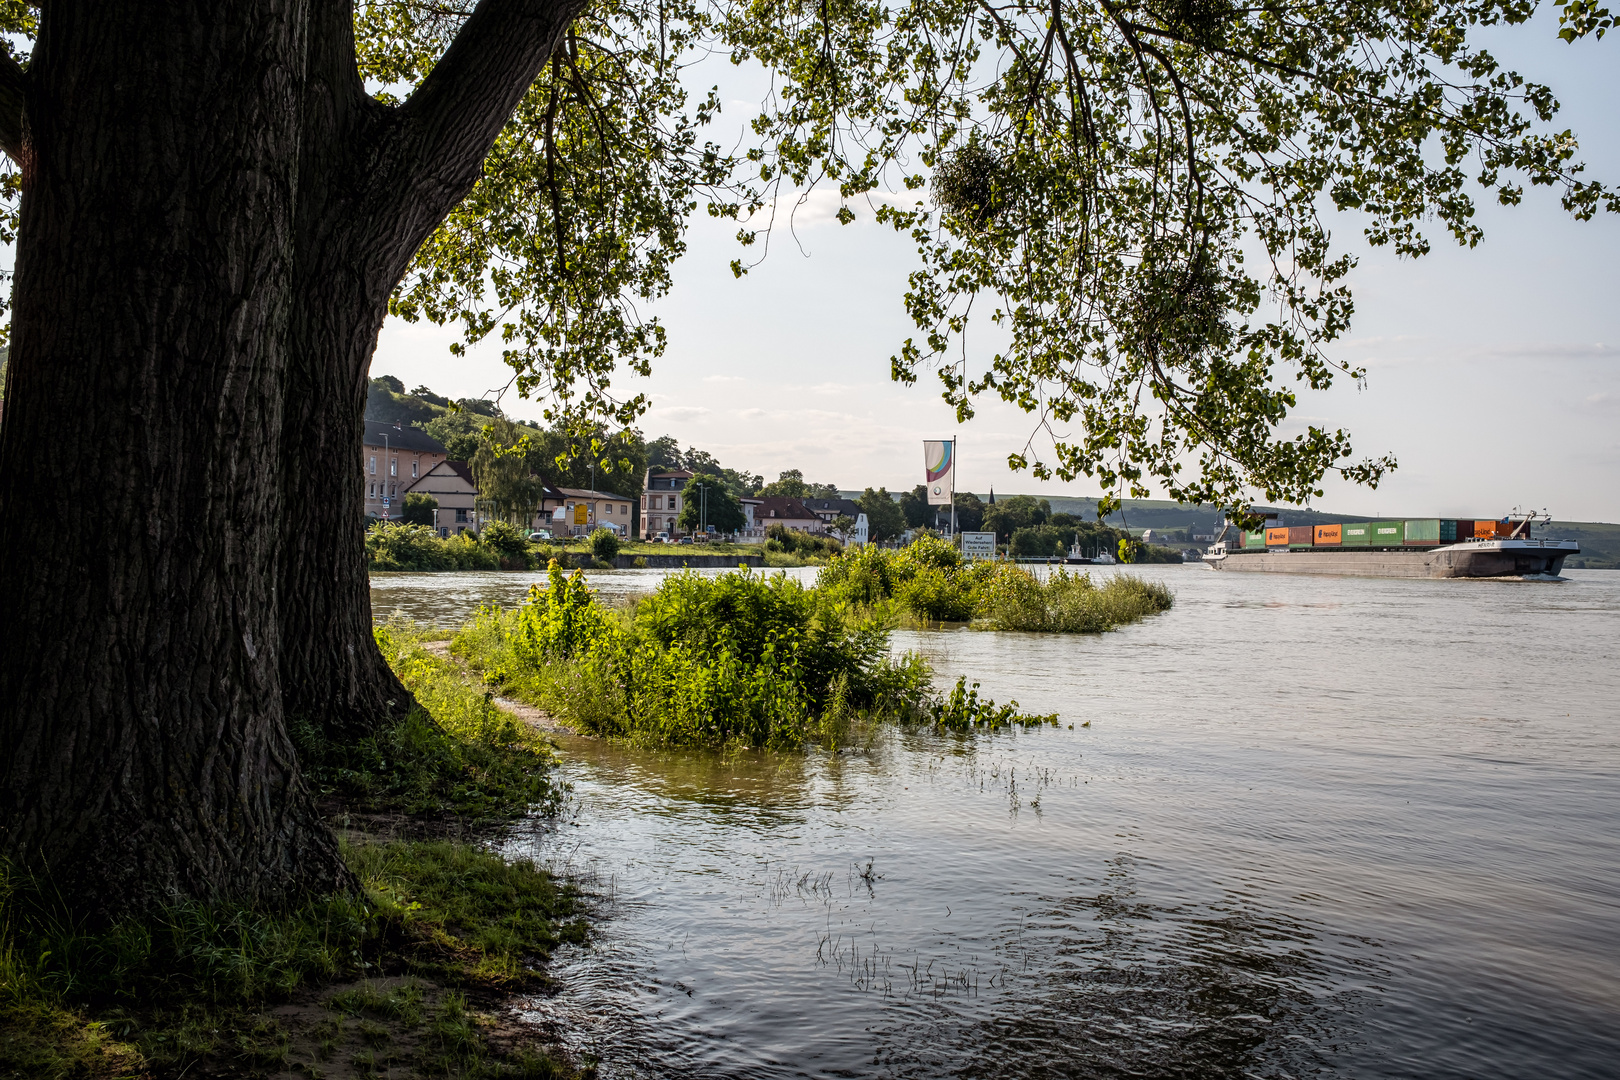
(723, 378)
(679, 413)
(820, 205)
(1375, 352)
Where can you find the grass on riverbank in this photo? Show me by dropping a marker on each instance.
(740, 659)
(398, 980)
(455, 754)
(405, 979)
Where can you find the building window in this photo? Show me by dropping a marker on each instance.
(393, 466)
(373, 464)
(413, 468)
(371, 491)
(461, 515)
(608, 509)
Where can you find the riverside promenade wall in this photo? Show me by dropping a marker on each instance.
(696, 562)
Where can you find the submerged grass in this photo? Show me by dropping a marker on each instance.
(927, 582)
(189, 986)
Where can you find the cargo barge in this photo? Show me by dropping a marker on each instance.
(1419, 548)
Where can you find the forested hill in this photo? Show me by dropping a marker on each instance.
(387, 402)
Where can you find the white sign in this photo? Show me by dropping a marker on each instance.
(939, 459)
(978, 545)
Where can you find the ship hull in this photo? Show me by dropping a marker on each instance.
(1490, 559)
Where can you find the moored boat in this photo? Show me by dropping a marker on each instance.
(1417, 548)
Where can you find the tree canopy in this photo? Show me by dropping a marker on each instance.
(1132, 190)
(884, 519)
(708, 499)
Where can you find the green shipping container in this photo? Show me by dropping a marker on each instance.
(1424, 531)
(1448, 532)
(1388, 534)
(1254, 539)
(1357, 535)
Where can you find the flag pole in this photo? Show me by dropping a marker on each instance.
(954, 464)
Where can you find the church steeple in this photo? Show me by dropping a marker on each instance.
(992, 497)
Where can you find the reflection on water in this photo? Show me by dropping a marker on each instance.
(1317, 826)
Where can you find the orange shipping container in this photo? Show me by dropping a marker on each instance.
(1328, 534)
(1277, 537)
(1489, 529)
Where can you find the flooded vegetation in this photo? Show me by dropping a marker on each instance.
(734, 660)
(1392, 853)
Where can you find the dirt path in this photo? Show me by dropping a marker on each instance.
(538, 719)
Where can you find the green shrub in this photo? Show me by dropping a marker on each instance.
(1015, 599)
(418, 547)
(418, 509)
(928, 581)
(605, 545)
(804, 544)
(737, 659)
(505, 539)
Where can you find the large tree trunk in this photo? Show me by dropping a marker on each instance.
(377, 182)
(332, 675)
(146, 756)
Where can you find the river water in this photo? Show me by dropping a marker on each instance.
(1316, 826)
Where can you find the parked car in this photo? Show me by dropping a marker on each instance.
(540, 534)
(660, 538)
(684, 540)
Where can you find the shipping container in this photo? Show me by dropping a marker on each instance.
(1301, 536)
(1256, 539)
(1328, 535)
(1357, 534)
(1486, 530)
(1448, 531)
(1387, 534)
(1465, 530)
(1422, 531)
(1277, 537)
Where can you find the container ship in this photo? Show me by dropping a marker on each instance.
(1421, 548)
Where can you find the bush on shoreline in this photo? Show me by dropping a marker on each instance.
(418, 547)
(929, 582)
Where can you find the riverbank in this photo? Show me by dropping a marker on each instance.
(415, 975)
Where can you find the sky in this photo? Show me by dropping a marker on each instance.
(1493, 373)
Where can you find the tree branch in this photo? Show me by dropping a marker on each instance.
(452, 119)
(12, 82)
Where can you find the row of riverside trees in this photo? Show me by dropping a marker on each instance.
(219, 202)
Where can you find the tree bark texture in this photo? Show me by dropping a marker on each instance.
(375, 185)
(140, 703)
(213, 216)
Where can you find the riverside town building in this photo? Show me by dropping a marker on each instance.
(394, 457)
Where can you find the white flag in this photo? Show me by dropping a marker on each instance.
(940, 459)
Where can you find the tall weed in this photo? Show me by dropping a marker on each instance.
(928, 582)
(1015, 599)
